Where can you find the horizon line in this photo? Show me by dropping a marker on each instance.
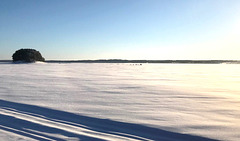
(141, 61)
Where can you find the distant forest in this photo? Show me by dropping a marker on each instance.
(143, 61)
(149, 61)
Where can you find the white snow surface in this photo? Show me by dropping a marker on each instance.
(87, 101)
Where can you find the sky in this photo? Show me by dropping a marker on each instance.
(122, 29)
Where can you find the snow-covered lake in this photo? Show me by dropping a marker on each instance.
(81, 101)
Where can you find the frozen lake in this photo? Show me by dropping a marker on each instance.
(195, 99)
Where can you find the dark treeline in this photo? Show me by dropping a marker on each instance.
(148, 61)
(143, 61)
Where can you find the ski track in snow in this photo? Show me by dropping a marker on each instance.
(38, 123)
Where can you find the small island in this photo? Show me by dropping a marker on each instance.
(27, 55)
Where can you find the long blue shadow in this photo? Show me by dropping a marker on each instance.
(130, 130)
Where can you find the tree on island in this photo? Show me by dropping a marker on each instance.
(27, 55)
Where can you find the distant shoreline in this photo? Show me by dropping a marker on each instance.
(143, 61)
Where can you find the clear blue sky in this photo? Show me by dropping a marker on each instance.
(121, 29)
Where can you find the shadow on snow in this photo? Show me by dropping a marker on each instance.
(106, 127)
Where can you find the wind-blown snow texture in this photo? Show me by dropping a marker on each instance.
(119, 102)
